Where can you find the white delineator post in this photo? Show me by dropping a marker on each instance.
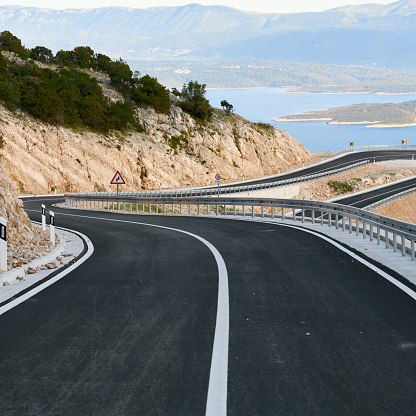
(52, 227)
(3, 244)
(43, 218)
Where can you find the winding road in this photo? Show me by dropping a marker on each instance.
(133, 330)
(332, 164)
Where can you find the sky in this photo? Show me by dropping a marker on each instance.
(267, 6)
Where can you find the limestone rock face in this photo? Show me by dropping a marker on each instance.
(11, 208)
(175, 151)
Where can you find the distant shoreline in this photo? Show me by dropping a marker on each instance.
(370, 124)
(292, 90)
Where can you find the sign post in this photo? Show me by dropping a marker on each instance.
(3, 244)
(218, 180)
(117, 180)
(52, 227)
(43, 218)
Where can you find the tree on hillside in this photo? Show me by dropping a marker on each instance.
(42, 54)
(102, 62)
(64, 58)
(149, 91)
(9, 42)
(195, 102)
(229, 108)
(120, 73)
(83, 56)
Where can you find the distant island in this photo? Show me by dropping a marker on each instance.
(375, 115)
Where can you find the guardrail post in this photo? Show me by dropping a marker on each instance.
(394, 242)
(283, 214)
(157, 209)
(199, 209)
(371, 232)
(322, 217)
(343, 223)
(207, 209)
(336, 221)
(3, 244)
(378, 235)
(52, 227)
(235, 210)
(164, 209)
(272, 215)
(262, 211)
(386, 236)
(252, 211)
(364, 230)
(216, 209)
(357, 227)
(303, 215)
(350, 225)
(403, 246)
(412, 249)
(189, 209)
(313, 216)
(173, 209)
(180, 209)
(329, 219)
(294, 214)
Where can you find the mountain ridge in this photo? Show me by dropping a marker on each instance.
(349, 35)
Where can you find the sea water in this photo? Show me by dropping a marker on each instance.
(265, 104)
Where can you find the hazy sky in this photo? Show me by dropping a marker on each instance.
(273, 6)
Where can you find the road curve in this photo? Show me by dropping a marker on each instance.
(334, 163)
(363, 199)
(130, 332)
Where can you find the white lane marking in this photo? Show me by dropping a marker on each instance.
(34, 291)
(217, 387)
(382, 273)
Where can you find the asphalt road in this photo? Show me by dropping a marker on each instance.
(374, 195)
(131, 331)
(337, 163)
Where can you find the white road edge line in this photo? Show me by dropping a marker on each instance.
(218, 377)
(382, 273)
(59, 276)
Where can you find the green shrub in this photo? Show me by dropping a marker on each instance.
(341, 187)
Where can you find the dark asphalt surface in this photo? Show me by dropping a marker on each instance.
(130, 332)
(375, 195)
(348, 159)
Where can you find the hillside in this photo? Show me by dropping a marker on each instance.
(175, 151)
(66, 124)
(378, 115)
(367, 34)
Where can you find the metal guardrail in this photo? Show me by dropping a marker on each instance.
(374, 147)
(368, 224)
(210, 191)
(389, 199)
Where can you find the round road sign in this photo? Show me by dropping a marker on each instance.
(217, 177)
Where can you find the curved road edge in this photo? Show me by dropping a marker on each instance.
(373, 256)
(51, 278)
(359, 258)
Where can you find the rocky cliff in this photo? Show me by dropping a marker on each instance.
(11, 208)
(174, 150)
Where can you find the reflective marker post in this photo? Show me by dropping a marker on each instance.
(3, 244)
(52, 227)
(43, 218)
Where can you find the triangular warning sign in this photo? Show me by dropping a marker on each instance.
(118, 179)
